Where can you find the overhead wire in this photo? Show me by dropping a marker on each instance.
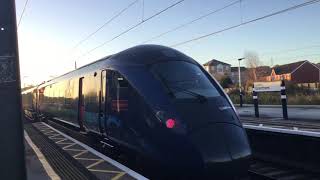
(132, 27)
(289, 50)
(106, 23)
(247, 22)
(298, 56)
(22, 13)
(192, 21)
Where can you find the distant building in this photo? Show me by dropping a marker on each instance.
(298, 72)
(234, 76)
(262, 72)
(217, 68)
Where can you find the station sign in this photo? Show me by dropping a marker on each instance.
(273, 86)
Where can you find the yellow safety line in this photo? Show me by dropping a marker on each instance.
(61, 140)
(74, 150)
(89, 159)
(49, 133)
(105, 171)
(54, 136)
(83, 152)
(47, 130)
(64, 143)
(118, 176)
(69, 146)
(94, 164)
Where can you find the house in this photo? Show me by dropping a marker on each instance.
(234, 75)
(217, 68)
(262, 72)
(298, 72)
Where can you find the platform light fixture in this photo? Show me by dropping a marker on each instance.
(240, 91)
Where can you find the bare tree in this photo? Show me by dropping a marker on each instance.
(252, 62)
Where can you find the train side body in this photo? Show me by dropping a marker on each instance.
(158, 103)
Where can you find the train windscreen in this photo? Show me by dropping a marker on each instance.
(184, 80)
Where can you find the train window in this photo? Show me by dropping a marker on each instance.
(118, 93)
(122, 82)
(184, 79)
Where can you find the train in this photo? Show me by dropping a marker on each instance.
(153, 101)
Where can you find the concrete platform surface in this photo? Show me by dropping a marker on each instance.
(35, 170)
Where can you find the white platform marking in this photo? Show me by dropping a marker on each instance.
(51, 173)
(281, 130)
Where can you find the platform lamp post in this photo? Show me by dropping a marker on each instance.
(24, 81)
(240, 88)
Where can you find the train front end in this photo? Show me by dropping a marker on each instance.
(194, 130)
(204, 127)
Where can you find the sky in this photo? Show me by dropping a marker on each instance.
(49, 31)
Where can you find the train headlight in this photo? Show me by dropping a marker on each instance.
(170, 123)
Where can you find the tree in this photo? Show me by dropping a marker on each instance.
(226, 82)
(252, 62)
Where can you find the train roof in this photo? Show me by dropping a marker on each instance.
(148, 54)
(137, 55)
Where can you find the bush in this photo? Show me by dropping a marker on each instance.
(226, 82)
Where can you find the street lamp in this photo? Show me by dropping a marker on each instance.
(241, 100)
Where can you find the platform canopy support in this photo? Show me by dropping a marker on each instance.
(12, 164)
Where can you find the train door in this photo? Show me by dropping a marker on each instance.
(117, 106)
(103, 108)
(81, 105)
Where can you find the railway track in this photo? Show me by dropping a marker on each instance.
(271, 171)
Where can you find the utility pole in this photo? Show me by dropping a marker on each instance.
(240, 91)
(12, 164)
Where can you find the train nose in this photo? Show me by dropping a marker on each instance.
(224, 149)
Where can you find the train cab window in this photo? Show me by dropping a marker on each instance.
(119, 92)
(123, 83)
(184, 80)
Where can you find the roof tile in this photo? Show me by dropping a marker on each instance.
(287, 68)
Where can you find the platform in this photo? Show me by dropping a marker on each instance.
(35, 168)
(282, 126)
(303, 113)
(69, 158)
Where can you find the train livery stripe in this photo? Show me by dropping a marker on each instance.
(119, 105)
(100, 155)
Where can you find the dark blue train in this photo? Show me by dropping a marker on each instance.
(156, 102)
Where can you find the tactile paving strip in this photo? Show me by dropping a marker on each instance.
(64, 166)
(99, 165)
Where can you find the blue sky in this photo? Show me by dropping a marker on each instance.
(50, 29)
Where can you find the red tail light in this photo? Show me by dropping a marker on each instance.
(170, 123)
